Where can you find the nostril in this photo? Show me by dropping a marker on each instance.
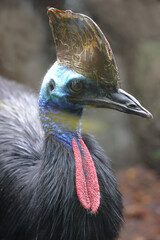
(131, 105)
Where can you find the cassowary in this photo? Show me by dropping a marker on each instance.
(55, 182)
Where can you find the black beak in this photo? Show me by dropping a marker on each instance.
(124, 102)
(120, 100)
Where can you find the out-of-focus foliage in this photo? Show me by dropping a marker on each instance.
(141, 198)
(22, 38)
(145, 82)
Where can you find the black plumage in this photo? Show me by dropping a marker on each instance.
(37, 188)
(55, 183)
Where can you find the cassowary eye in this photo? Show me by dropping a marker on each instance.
(76, 85)
(51, 85)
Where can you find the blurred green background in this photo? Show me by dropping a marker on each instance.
(133, 30)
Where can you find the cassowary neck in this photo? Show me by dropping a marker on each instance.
(65, 125)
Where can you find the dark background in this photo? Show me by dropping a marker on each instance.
(133, 30)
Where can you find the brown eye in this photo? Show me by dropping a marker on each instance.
(51, 85)
(76, 85)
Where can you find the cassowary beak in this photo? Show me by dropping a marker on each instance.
(119, 100)
(123, 102)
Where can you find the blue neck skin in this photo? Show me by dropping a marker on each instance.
(58, 116)
(64, 126)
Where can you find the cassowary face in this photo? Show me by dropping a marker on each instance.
(61, 85)
(65, 90)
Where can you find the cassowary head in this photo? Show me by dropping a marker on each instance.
(85, 73)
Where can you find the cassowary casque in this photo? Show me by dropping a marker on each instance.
(55, 182)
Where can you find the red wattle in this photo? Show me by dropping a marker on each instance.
(86, 177)
(80, 178)
(91, 177)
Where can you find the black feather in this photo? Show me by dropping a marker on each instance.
(38, 197)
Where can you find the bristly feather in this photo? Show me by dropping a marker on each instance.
(38, 198)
